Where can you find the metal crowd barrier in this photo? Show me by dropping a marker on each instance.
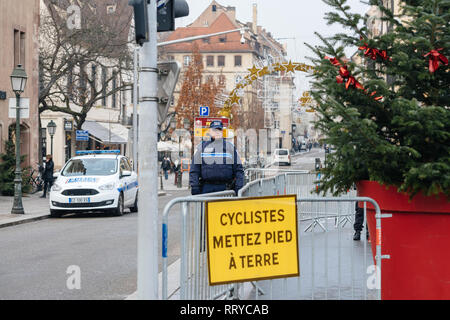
(332, 265)
(193, 274)
(252, 174)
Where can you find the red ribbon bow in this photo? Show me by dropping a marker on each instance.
(350, 81)
(373, 53)
(334, 61)
(435, 59)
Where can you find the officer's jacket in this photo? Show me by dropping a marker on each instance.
(216, 162)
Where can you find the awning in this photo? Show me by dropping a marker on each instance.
(168, 146)
(107, 133)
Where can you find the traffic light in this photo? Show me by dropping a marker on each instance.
(168, 10)
(140, 20)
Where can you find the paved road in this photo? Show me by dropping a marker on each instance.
(35, 256)
(304, 160)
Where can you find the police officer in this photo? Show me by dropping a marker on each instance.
(358, 225)
(216, 165)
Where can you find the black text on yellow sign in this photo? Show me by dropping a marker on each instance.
(252, 239)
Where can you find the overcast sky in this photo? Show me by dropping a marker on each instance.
(297, 19)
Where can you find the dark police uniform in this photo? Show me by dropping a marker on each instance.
(216, 166)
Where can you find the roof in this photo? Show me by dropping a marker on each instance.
(222, 23)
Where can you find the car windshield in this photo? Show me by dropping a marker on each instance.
(282, 152)
(90, 167)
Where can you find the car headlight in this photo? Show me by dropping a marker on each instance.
(56, 187)
(108, 186)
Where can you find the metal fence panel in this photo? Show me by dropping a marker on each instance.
(332, 265)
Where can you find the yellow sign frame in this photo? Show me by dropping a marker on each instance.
(274, 244)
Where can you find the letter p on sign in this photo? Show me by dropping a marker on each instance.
(204, 111)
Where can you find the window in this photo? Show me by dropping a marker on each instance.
(187, 60)
(223, 39)
(282, 152)
(210, 61)
(94, 76)
(19, 48)
(104, 86)
(222, 79)
(237, 61)
(90, 167)
(70, 84)
(221, 61)
(171, 58)
(206, 40)
(124, 166)
(114, 87)
(82, 78)
(214, 8)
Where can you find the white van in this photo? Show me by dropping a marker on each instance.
(282, 156)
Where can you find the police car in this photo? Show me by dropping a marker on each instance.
(95, 180)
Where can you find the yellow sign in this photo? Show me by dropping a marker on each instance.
(252, 239)
(202, 132)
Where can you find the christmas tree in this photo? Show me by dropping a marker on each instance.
(7, 171)
(7, 166)
(387, 110)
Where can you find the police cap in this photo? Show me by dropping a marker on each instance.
(216, 125)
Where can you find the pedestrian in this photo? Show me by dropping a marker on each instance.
(310, 146)
(176, 170)
(165, 166)
(359, 221)
(48, 174)
(216, 165)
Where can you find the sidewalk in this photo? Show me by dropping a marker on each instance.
(169, 184)
(35, 208)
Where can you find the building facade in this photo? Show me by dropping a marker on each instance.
(98, 78)
(19, 21)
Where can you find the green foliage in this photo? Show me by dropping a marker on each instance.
(403, 139)
(7, 171)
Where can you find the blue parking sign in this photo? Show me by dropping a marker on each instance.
(204, 111)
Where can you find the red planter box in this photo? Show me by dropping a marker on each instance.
(417, 238)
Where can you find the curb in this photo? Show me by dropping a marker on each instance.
(25, 220)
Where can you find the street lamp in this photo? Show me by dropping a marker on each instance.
(173, 123)
(51, 127)
(18, 83)
(186, 124)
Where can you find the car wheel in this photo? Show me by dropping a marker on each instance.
(120, 207)
(55, 213)
(134, 208)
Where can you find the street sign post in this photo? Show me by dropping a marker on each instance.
(252, 239)
(82, 135)
(204, 111)
(24, 108)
